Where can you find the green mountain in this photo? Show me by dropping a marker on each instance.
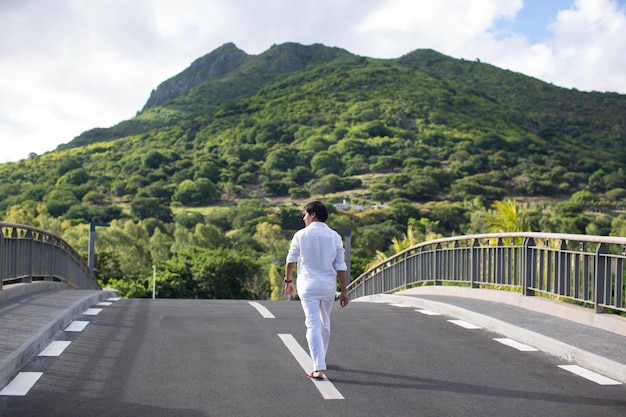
(297, 121)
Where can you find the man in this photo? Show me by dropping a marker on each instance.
(318, 251)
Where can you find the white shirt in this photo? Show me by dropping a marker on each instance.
(319, 252)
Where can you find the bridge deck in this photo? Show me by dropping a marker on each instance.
(574, 333)
(385, 359)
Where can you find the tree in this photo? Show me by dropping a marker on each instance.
(207, 169)
(130, 242)
(282, 159)
(196, 193)
(616, 194)
(159, 189)
(585, 198)
(74, 177)
(221, 273)
(290, 217)
(249, 212)
(326, 185)
(298, 193)
(300, 174)
(350, 147)
(618, 226)
(407, 240)
(59, 200)
(144, 208)
(153, 159)
(600, 226)
(421, 188)
(159, 247)
(451, 217)
(508, 216)
(402, 210)
(68, 164)
(208, 236)
(615, 179)
(380, 257)
(596, 181)
(367, 242)
(325, 162)
(276, 282)
(22, 214)
(189, 219)
(270, 237)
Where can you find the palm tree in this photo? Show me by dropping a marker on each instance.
(508, 216)
(408, 239)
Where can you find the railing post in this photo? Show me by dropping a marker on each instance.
(2, 263)
(528, 281)
(27, 242)
(475, 264)
(437, 263)
(561, 271)
(404, 272)
(601, 290)
(498, 267)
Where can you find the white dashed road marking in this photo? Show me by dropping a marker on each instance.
(465, 324)
(517, 345)
(77, 326)
(264, 311)
(575, 369)
(428, 312)
(325, 387)
(399, 305)
(55, 348)
(21, 384)
(590, 375)
(24, 381)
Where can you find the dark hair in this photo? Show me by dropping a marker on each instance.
(317, 207)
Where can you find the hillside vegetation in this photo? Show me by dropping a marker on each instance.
(222, 156)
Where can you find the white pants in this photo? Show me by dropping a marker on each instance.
(317, 320)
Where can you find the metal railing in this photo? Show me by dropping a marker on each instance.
(28, 253)
(579, 268)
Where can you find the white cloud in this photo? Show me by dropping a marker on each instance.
(71, 65)
(454, 27)
(589, 46)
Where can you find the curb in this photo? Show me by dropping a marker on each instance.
(16, 360)
(547, 344)
(17, 290)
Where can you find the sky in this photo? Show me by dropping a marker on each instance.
(67, 66)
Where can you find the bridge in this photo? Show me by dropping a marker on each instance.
(523, 330)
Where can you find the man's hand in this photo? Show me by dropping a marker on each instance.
(289, 288)
(344, 299)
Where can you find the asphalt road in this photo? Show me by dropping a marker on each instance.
(139, 357)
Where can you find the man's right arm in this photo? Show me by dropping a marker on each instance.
(289, 278)
(344, 299)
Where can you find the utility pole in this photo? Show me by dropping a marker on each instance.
(92, 244)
